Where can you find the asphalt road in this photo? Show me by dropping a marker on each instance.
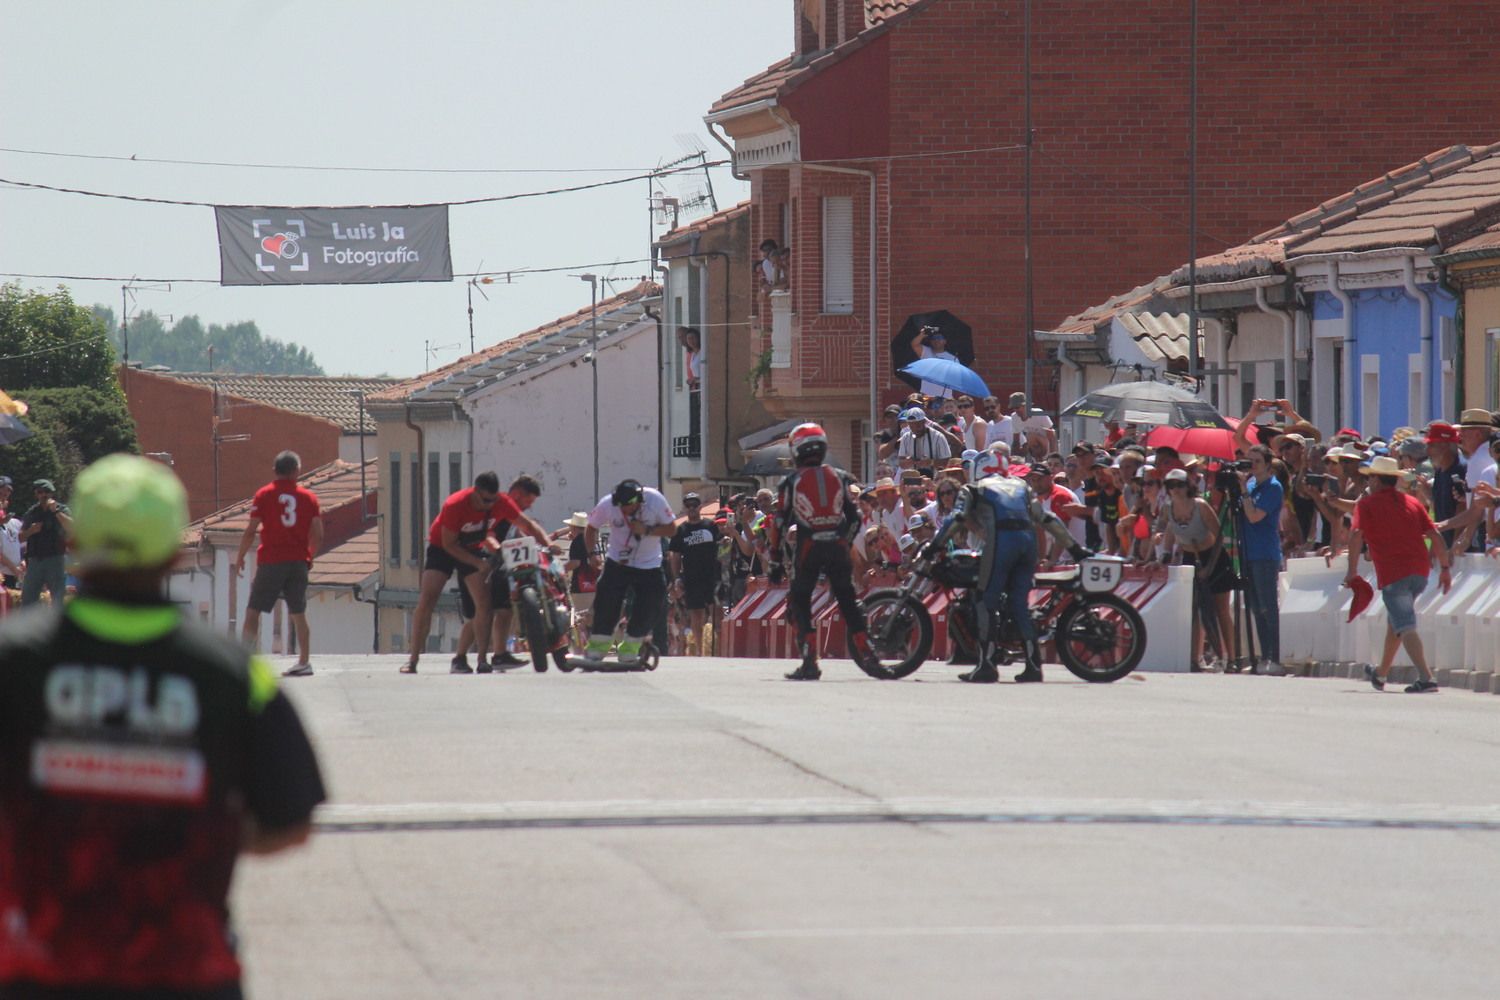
(709, 830)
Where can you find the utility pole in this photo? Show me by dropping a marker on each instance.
(593, 281)
(1194, 362)
(1030, 338)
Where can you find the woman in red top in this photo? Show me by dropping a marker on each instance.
(1402, 563)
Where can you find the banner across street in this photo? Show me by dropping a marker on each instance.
(333, 246)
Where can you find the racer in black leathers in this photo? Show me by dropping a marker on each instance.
(1004, 513)
(818, 549)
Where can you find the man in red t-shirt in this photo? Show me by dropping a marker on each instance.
(1402, 562)
(455, 544)
(291, 533)
(523, 493)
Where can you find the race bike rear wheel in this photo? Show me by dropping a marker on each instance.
(1100, 638)
(530, 606)
(899, 628)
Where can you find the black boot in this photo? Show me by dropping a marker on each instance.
(1033, 672)
(985, 673)
(808, 671)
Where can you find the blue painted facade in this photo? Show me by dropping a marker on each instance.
(1387, 324)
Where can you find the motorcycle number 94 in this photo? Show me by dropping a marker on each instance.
(1099, 575)
(518, 552)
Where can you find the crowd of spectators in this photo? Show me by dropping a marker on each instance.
(33, 542)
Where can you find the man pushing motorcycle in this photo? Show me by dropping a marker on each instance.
(1003, 511)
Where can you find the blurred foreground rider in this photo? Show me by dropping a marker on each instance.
(140, 753)
(1003, 511)
(815, 499)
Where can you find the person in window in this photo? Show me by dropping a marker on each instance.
(765, 269)
(692, 345)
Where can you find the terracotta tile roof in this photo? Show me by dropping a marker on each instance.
(1247, 260)
(1485, 244)
(779, 77)
(336, 484)
(563, 333)
(703, 225)
(1161, 337)
(331, 397)
(350, 563)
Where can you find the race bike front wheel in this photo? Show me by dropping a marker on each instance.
(1100, 638)
(899, 629)
(530, 607)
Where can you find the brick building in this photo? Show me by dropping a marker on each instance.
(906, 117)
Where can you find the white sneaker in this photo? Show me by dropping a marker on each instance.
(1270, 668)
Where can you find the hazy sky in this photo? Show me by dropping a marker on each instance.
(515, 84)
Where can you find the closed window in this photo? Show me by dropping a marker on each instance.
(838, 255)
(393, 521)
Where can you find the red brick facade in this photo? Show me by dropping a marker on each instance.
(177, 418)
(1295, 101)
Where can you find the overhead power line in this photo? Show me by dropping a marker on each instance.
(116, 158)
(214, 281)
(490, 199)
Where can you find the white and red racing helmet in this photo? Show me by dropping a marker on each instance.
(808, 443)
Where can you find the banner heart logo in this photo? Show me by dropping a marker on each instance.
(273, 244)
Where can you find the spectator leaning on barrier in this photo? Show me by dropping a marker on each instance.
(1395, 527)
(1476, 427)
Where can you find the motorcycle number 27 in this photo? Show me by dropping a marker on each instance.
(1101, 575)
(519, 552)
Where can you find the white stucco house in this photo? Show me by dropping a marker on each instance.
(522, 406)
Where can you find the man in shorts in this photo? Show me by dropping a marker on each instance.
(1394, 526)
(694, 551)
(291, 532)
(455, 544)
(523, 493)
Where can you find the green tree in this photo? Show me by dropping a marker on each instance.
(71, 428)
(190, 347)
(46, 340)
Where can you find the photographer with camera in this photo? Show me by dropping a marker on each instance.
(45, 529)
(931, 342)
(1260, 499)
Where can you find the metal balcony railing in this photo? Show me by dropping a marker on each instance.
(687, 446)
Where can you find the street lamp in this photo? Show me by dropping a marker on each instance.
(593, 281)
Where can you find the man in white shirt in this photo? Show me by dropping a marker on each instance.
(1031, 427)
(930, 342)
(921, 445)
(636, 517)
(1475, 429)
(888, 508)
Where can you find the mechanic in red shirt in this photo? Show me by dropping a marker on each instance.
(291, 532)
(1395, 527)
(523, 493)
(455, 544)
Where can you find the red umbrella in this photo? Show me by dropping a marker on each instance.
(1209, 442)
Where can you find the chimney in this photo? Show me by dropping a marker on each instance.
(809, 27)
(848, 15)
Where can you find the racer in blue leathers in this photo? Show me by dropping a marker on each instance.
(1004, 512)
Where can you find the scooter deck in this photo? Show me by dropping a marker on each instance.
(609, 666)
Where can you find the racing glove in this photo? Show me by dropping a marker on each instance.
(1079, 552)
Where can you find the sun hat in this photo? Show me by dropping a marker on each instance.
(128, 513)
(885, 483)
(578, 519)
(913, 415)
(1382, 465)
(1477, 417)
(1296, 439)
(44, 484)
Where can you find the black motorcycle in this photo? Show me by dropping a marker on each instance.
(539, 593)
(1099, 636)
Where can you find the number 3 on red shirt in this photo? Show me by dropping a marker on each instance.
(289, 509)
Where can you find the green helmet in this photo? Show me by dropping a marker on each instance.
(128, 513)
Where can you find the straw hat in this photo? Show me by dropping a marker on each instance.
(1384, 465)
(578, 519)
(1477, 418)
(885, 483)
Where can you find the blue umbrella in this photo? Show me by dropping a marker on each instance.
(949, 375)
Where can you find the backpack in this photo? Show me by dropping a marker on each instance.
(817, 496)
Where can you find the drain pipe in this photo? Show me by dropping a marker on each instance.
(661, 380)
(416, 482)
(1346, 398)
(1432, 366)
(1288, 341)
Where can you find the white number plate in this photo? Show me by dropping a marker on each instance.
(1101, 574)
(519, 553)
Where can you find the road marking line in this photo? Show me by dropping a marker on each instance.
(438, 816)
(1022, 930)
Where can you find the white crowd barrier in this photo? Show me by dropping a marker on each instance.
(1168, 614)
(1459, 629)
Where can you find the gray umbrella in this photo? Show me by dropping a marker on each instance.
(12, 430)
(774, 459)
(1155, 403)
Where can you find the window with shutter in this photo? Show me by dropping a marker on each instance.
(838, 255)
